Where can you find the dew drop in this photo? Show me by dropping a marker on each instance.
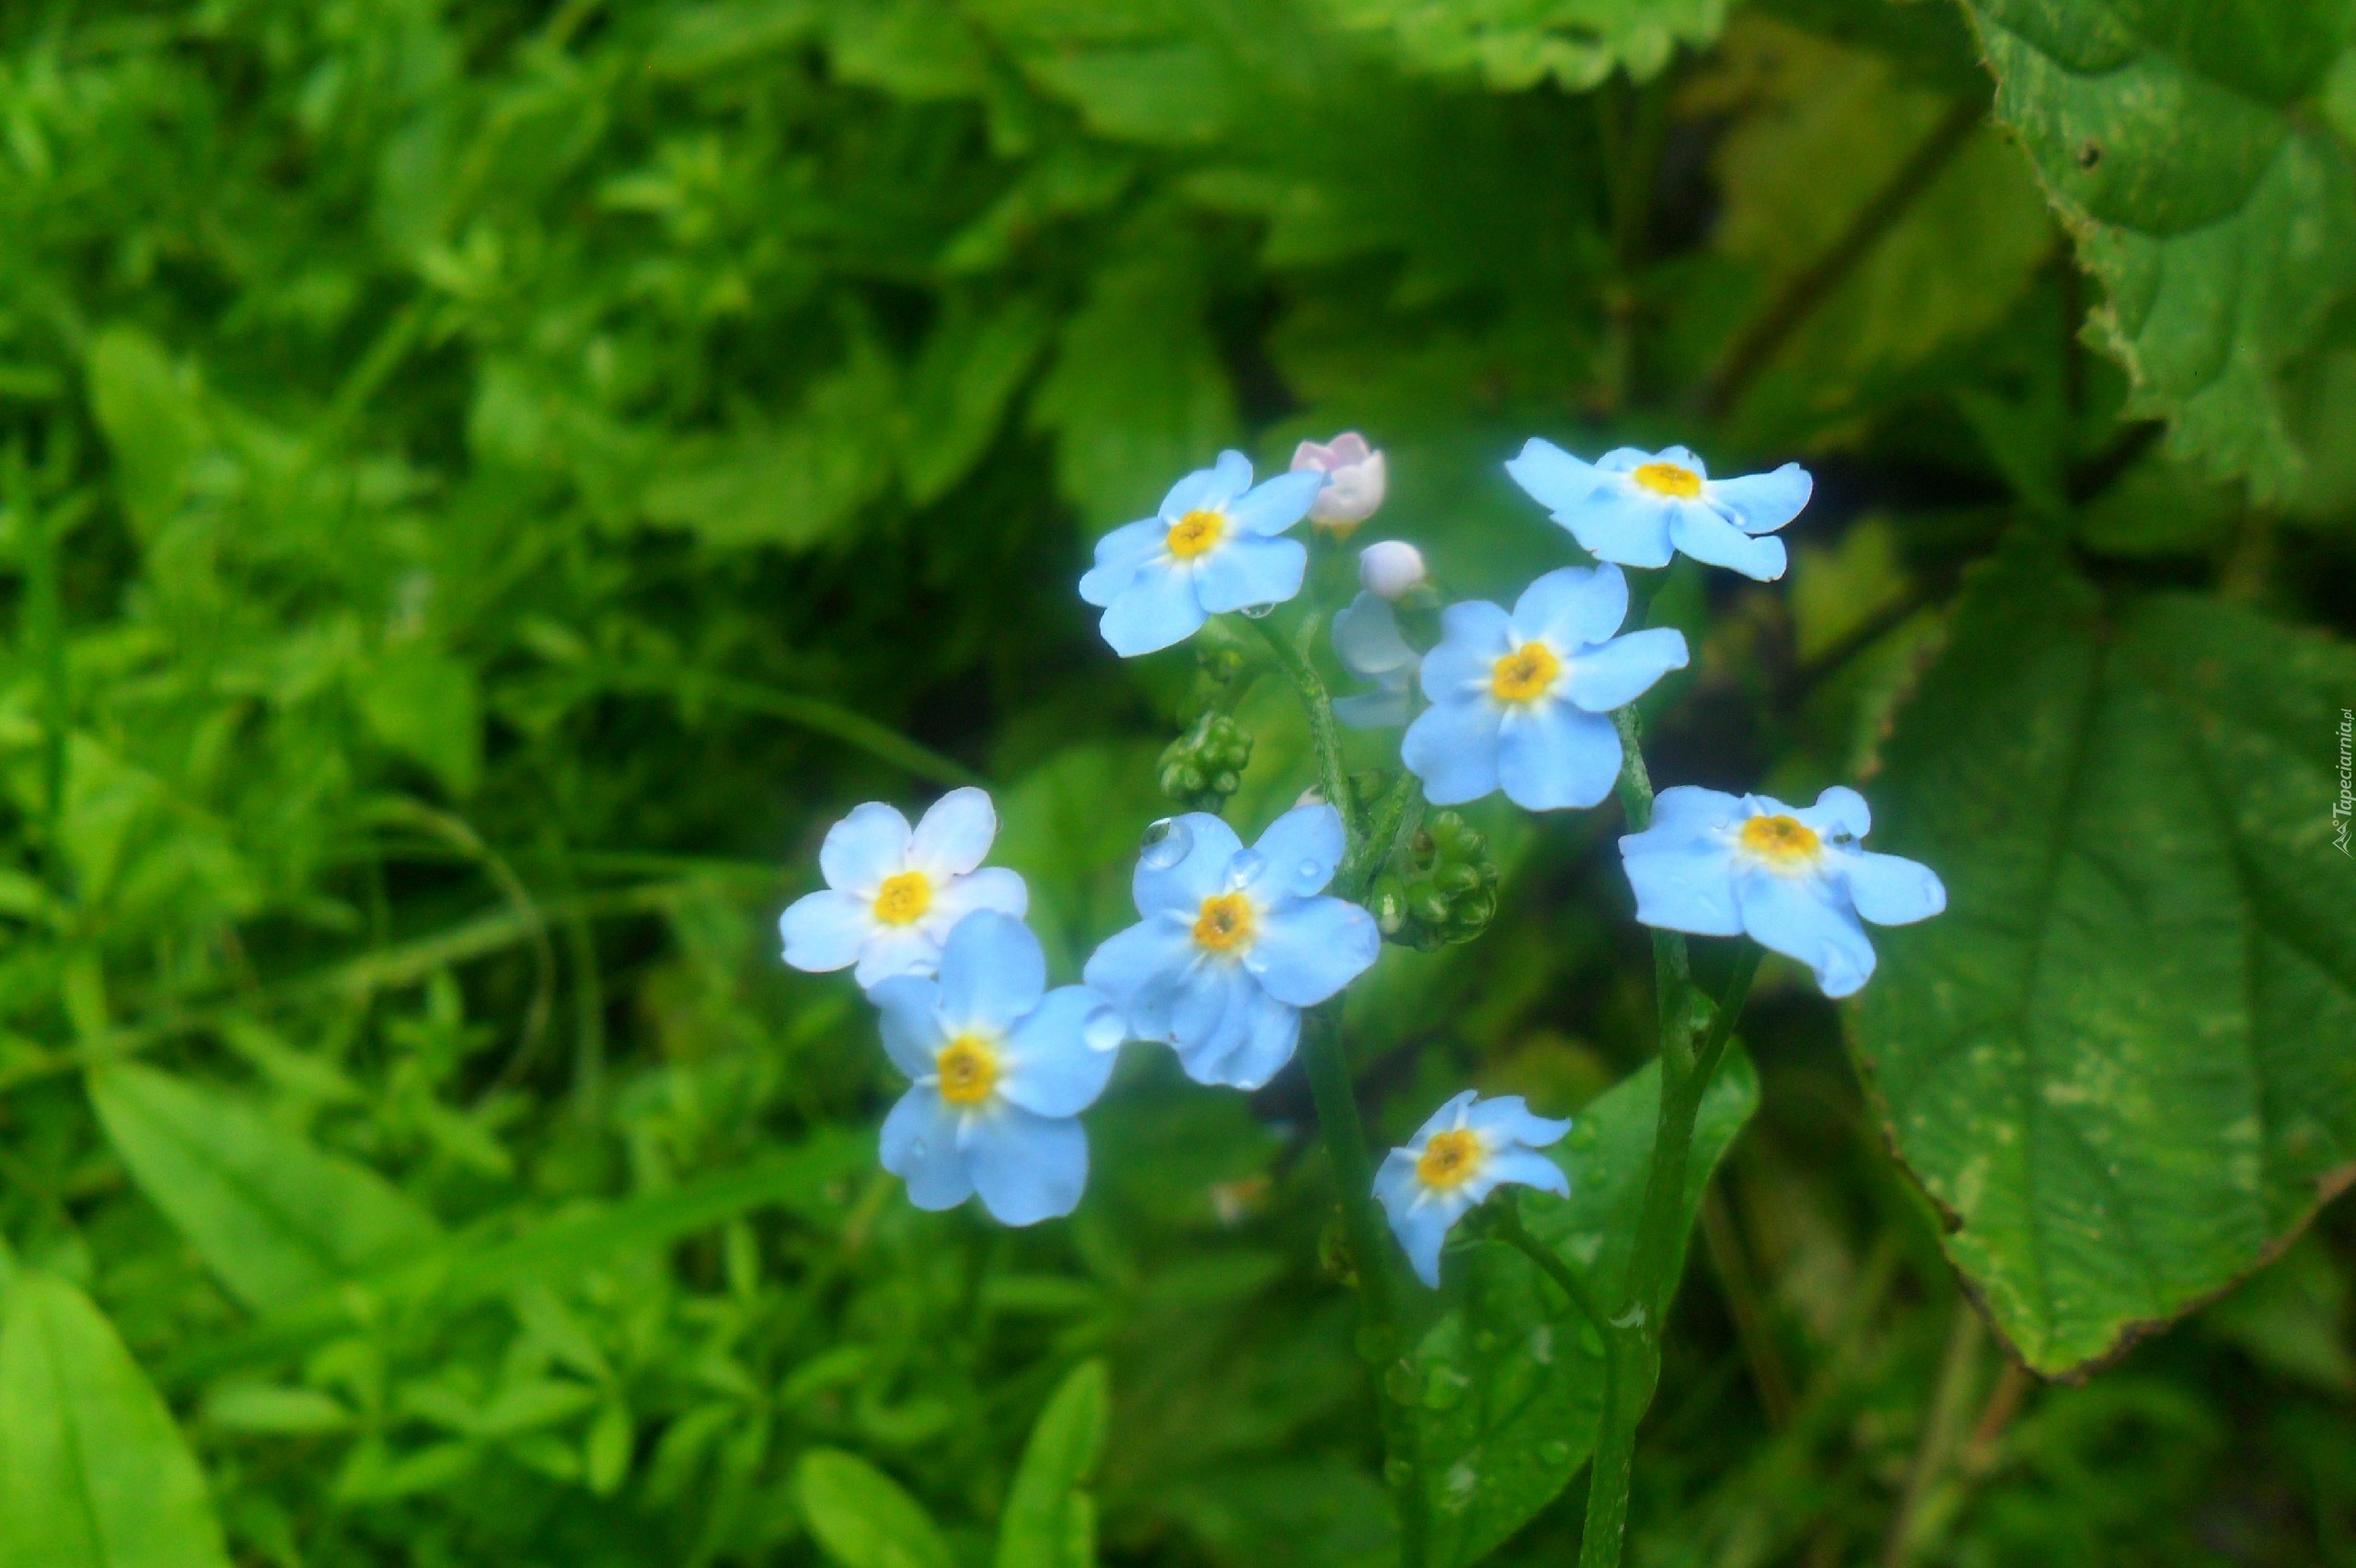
(1444, 1389)
(1166, 843)
(1554, 1451)
(1246, 866)
(1103, 1031)
(916, 1150)
(1311, 875)
(1258, 612)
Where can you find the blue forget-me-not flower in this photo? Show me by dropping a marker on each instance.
(1235, 943)
(1640, 508)
(1001, 1068)
(1212, 548)
(1468, 1148)
(1367, 640)
(1520, 701)
(894, 894)
(1794, 879)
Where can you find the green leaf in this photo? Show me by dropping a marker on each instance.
(1511, 1381)
(1515, 44)
(862, 1518)
(269, 1212)
(971, 366)
(2119, 1061)
(425, 705)
(2219, 212)
(151, 420)
(1050, 1518)
(93, 1473)
(1138, 394)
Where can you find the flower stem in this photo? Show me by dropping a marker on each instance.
(1378, 1338)
(1324, 731)
(1693, 1038)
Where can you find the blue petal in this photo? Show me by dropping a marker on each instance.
(824, 930)
(1682, 886)
(1572, 606)
(908, 1010)
(1508, 1119)
(1806, 919)
(952, 837)
(1624, 460)
(1119, 555)
(1553, 479)
(1452, 747)
(1180, 887)
(1213, 486)
(1374, 709)
(1247, 570)
(1621, 523)
(1158, 608)
(1889, 890)
(1278, 504)
(1299, 853)
(1760, 503)
(1684, 459)
(1421, 1226)
(1027, 1167)
(896, 950)
(1256, 1048)
(1366, 640)
(1127, 963)
(1706, 537)
(1310, 948)
(1455, 1113)
(1211, 1022)
(992, 972)
(920, 1148)
(1551, 755)
(1683, 813)
(1058, 1059)
(1472, 637)
(992, 887)
(1523, 1168)
(863, 849)
(1839, 812)
(1615, 674)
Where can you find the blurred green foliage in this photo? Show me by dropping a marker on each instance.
(485, 485)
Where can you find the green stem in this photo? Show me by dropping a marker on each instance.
(1510, 1228)
(1691, 1049)
(1324, 730)
(1386, 825)
(1328, 1068)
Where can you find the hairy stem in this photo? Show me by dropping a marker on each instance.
(1693, 1038)
(1324, 730)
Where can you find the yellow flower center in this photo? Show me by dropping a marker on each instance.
(1225, 923)
(903, 899)
(1670, 479)
(1784, 842)
(968, 1070)
(1450, 1160)
(1526, 673)
(1194, 533)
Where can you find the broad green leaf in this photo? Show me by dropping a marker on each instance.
(862, 1516)
(269, 1212)
(93, 1473)
(1050, 1520)
(2219, 212)
(1821, 131)
(1511, 1381)
(152, 423)
(2119, 1061)
(1515, 45)
(971, 366)
(1138, 394)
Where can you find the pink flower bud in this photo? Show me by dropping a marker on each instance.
(1355, 480)
(1390, 568)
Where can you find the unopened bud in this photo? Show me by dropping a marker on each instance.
(1391, 568)
(1355, 480)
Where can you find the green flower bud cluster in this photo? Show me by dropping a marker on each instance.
(1443, 890)
(1203, 766)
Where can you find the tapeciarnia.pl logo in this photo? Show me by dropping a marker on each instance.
(2343, 807)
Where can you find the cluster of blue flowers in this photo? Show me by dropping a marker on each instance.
(1233, 943)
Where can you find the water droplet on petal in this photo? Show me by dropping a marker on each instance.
(1311, 875)
(1166, 843)
(1257, 611)
(1103, 1031)
(918, 1149)
(1246, 866)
